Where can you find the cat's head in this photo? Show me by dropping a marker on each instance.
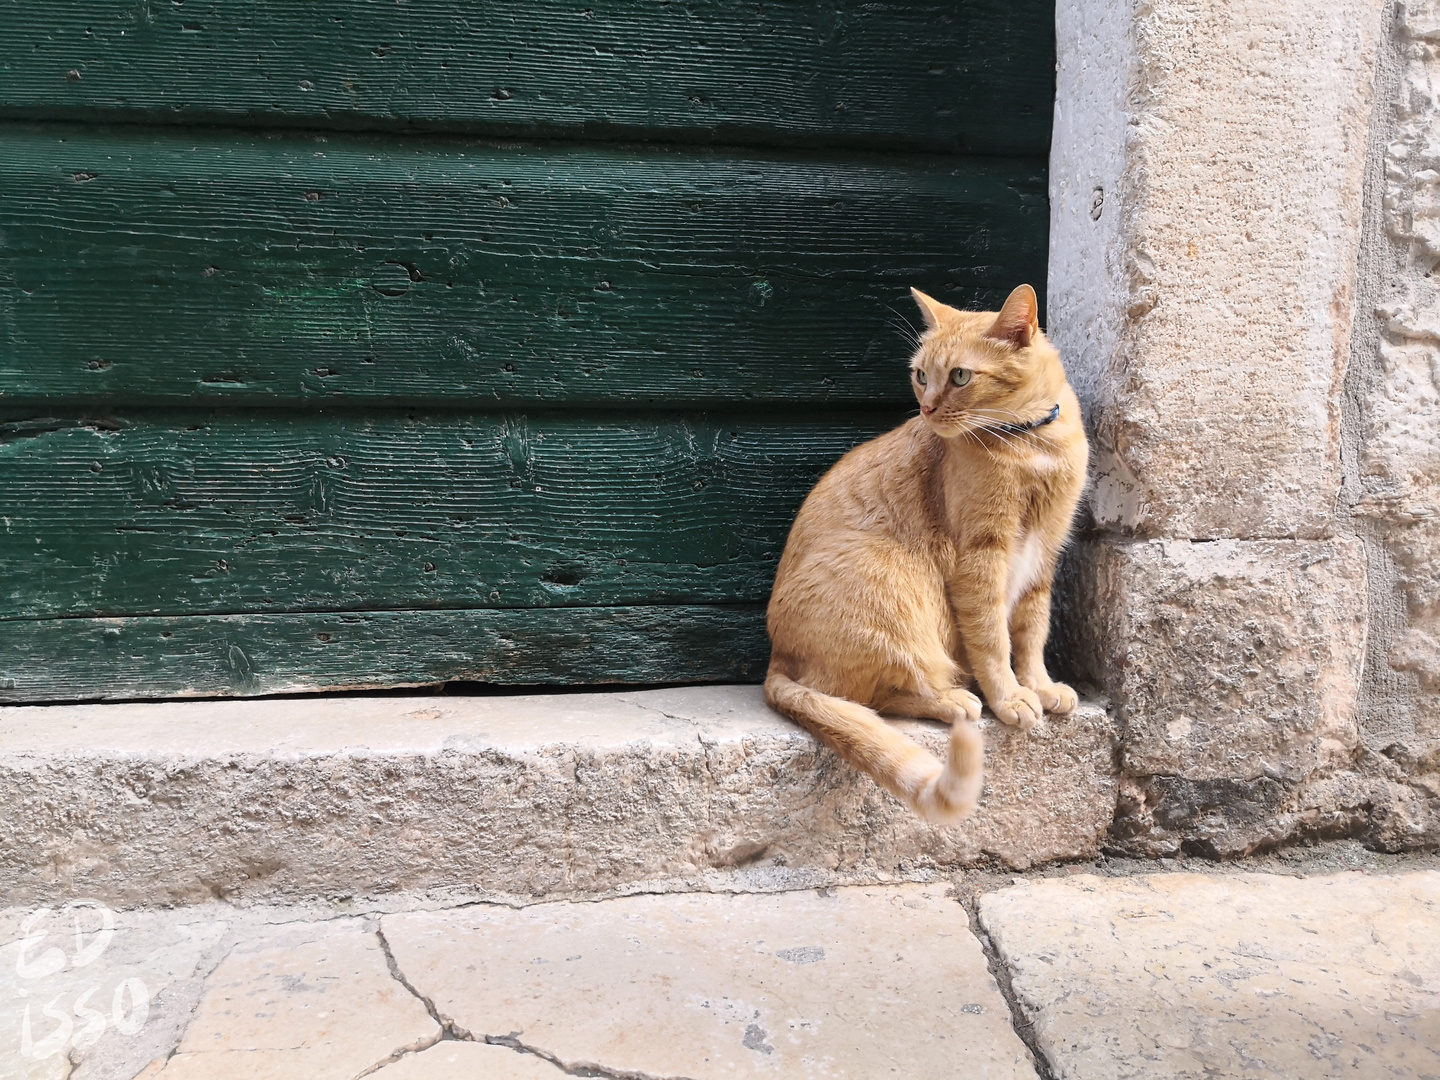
(983, 369)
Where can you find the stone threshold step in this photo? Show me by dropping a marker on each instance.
(564, 795)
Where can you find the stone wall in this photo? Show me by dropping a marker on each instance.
(1245, 215)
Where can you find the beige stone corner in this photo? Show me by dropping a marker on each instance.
(1229, 659)
(306, 999)
(1400, 460)
(1207, 190)
(851, 982)
(1243, 976)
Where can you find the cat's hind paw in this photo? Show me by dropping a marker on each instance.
(1019, 708)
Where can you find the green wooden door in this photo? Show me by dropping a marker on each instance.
(373, 343)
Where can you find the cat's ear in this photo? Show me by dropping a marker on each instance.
(930, 309)
(1018, 321)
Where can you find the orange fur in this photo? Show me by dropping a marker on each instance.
(921, 563)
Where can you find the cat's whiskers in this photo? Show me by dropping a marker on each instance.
(981, 426)
(998, 413)
(904, 327)
(1003, 417)
(969, 433)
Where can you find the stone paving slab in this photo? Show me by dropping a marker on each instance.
(846, 983)
(313, 1000)
(143, 969)
(1158, 975)
(209, 992)
(1244, 975)
(556, 795)
(852, 982)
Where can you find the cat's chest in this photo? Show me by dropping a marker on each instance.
(1027, 558)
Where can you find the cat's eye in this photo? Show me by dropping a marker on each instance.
(920, 376)
(960, 376)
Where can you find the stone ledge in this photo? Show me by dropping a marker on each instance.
(557, 795)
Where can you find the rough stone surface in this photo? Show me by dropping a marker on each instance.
(1183, 975)
(1399, 411)
(1236, 308)
(560, 795)
(79, 956)
(310, 999)
(1207, 189)
(1227, 660)
(855, 982)
(1391, 803)
(456, 1060)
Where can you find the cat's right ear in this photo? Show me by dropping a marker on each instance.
(930, 309)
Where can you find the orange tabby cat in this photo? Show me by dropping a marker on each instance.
(923, 560)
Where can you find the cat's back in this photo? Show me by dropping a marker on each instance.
(866, 490)
(861, 532)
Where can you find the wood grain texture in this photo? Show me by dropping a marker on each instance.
(364, 400)
(245, 655)
(975, 76)
(162, 267)
(284, 511)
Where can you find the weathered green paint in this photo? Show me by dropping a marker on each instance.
(280, 511)
(975, 76)
(162, 267)
(241, 655)
(364, 400)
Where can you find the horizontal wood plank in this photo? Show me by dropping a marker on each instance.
(282, 511)
(974, 76)
(246, 655)
(156, 268)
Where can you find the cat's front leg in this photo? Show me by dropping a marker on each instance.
(1029, 627)
(977, 596)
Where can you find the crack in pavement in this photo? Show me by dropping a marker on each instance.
(450, 1031)
(445, 1024)
(404, 1051)
(1023, 1025)
(443, 1028)
(512, 1040)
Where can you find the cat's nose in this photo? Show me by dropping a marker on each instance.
(926, 410)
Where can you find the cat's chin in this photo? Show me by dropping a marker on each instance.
(946, 430)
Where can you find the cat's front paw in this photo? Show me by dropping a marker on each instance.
(1057, 698)
(963, 700)
(1019, 707)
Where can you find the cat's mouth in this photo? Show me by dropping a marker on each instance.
(948, 424)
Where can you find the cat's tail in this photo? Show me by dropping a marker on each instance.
(941, 793)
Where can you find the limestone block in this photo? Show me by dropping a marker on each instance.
(1390, 801)
(1226, 660)
(570, 794)
(850, 982)
(1207, 191)
(309, 999)
(1412, 158)
(1243, 976)
(1400, 460)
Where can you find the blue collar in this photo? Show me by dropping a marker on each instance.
(1020, 429)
